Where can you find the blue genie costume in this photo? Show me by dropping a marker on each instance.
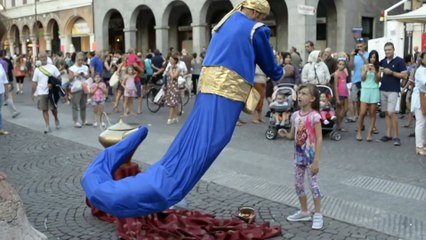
(238, 44)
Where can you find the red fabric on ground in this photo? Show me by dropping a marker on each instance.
(191, 225)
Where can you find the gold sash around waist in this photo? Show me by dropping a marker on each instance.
(224, 82)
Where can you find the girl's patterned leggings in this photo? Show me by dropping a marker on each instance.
(299, 177)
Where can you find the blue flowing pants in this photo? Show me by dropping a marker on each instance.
(204, 135)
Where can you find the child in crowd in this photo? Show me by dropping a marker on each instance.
(306, 132)
(98, 89)
(282, 106)
(341, 91)
(326, 107)
(129, 91)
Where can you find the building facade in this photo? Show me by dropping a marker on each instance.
(39, 25)
(70, 25)
(149, 24)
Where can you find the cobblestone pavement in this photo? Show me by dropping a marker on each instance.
(46, 171)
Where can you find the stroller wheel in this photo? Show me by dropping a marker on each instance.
(271, 134)
(337, 136)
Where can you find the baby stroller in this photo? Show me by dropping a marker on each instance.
(284, 104)
(328, 116)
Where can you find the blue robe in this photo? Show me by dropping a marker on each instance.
(203, 136)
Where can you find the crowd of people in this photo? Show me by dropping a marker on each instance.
(363, 84)
(85, 81)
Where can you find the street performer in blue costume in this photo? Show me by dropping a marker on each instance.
(239, 42)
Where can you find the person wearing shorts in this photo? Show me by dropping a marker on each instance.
(40, 88)
(394, 69)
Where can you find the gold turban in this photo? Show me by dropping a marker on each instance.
(261, 6)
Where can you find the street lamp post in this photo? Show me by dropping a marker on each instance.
(36, 32)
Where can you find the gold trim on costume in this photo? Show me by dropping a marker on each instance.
(224, 82)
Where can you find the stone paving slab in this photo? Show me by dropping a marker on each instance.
(46, 171)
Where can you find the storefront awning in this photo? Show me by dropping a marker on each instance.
(415, 16)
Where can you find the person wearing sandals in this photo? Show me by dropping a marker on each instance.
(3, 82)
(370, 94)
(419, 87)
(260, 86)
(40, 88)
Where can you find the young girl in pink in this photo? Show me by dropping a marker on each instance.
(130, 91)
(341, 93)
(306, 132)
(98, 89)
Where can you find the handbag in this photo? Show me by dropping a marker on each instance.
(423, 102)
(114, 79)
(252, 101)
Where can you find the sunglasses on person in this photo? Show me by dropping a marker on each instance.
(360, 40)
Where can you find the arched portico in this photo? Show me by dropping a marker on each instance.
(326, 24)
(79, 34)
(37, 38)
(14, 40)
(212, 13)
(53, 43)
(277, 21)
(26, 41)
(142, 22)
(114, 26)
(174, 30)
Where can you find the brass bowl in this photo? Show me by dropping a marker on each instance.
(247, 214)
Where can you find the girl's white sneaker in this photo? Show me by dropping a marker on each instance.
(299, 217)
(318, 221)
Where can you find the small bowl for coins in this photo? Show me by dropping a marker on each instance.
(247, 214)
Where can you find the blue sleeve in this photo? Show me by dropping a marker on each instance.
(264, 56)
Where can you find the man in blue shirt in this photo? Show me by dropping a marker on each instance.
(358, 59)
(96, 64)
(394, 69)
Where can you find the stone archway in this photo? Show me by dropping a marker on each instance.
(14, 40)
(115, 31)
(180, 30)
(215, 12)
(277, 21)
(37, 38)
(52, 36)
(3, 29)
(26, 40)
(78, 34)
(326, 24)
(143, 21)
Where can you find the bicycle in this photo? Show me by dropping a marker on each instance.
(155, 97)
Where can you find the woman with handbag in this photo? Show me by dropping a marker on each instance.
(171, 89)
(418, 105)
(315, 71)
(77, 75)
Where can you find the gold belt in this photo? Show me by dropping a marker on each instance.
(224, 82)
